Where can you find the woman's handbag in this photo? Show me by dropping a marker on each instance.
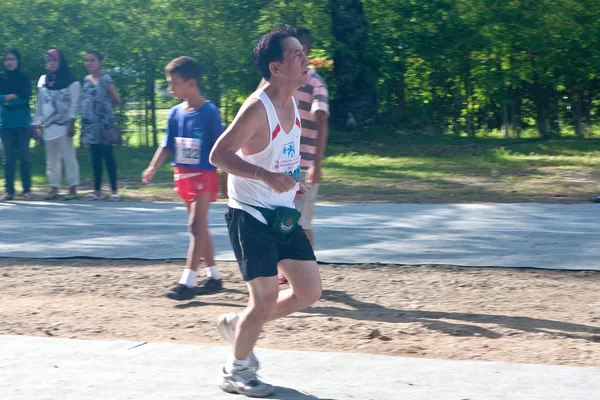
(111, 136)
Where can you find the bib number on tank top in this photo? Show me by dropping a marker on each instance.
(187, 151)
(288, 162)
(294, 173)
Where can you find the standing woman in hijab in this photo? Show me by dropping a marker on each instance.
(15, 91)
(57, 107)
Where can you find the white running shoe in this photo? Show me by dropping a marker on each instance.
(226, 326)
(244, 381)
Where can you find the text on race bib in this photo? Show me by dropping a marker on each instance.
(288, 162)
(187, 150)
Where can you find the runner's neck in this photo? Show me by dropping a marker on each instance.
(279, 96)
(194, 103)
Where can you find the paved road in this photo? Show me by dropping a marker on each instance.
(505, 235)
(64, 369)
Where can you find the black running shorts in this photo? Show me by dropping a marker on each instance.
(258, 248)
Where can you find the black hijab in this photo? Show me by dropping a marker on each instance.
(63, 77)
(15, 82)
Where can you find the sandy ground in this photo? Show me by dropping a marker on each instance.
(527, 316)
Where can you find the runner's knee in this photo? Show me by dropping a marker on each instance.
(312, 294)
(197, 226)
(263, 306)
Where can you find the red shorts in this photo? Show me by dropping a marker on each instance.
(191, 183)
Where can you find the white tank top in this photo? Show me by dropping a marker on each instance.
(282, 154)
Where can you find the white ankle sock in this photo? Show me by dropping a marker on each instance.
(188, 277)
(234, 363)
(213, 272)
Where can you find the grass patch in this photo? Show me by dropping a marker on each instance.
(385, 165)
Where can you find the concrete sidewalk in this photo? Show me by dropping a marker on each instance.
(34, 368)
(504, 235)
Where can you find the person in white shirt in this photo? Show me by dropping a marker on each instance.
(261, 153)
(57, 106)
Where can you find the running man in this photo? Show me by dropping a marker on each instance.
(261, 153)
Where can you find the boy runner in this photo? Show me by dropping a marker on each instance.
(192, 129)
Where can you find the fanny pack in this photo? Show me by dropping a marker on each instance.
(282, 220)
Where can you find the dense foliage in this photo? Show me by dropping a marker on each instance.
(438, 65)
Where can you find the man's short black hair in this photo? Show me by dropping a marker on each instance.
(269, 48)
(186, 67)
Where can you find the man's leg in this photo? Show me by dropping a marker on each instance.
(239, 373)
(305, 287)
(262, 302)
(300, 266)
(241, 369)
(223, 185)
(306, 207)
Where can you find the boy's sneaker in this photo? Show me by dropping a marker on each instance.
(208, 286)
(227, 331)
(180, 292)
(244, 381)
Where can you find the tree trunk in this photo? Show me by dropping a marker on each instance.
(401, 92)
(469, 99)
(505, 122)
(355, 101)
(541, 106)
(515, 113)
(147, 138)
(587, 95)
(553, 112)
(576, 110)
(226, 110)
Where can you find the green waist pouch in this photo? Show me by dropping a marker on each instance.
(282, 220)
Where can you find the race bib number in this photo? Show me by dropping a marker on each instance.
(289, 162)
(187, 151)
(294, 173)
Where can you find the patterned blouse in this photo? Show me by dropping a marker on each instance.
(97, 111)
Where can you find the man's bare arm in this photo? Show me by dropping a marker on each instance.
(247, 125)
(239, 133)
(322, 134)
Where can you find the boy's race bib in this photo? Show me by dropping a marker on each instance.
(187, 151)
